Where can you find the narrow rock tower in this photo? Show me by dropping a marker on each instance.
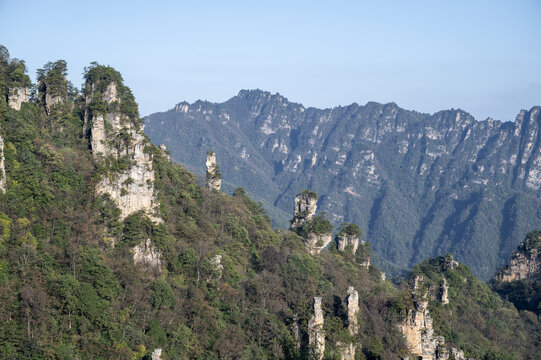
(348, 237)
(214, 177)
(305, 208)
(117, 140)
(2, 166)
(347, 350)
(316, 335)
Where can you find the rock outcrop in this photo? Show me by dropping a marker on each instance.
(51, 100)
(525, 263)
(316, 242)
(315, 230)
(316, 335)
(305, 208)
(347, 241)
(17, 96)
(444, 293)
(146, 254)
(375, 162)
(216, 262)
(156, 354)
(214, 179)
(353, 311)
(118, 138)
(166, 153)
(3, 179)
(347, 351)
(418, 328)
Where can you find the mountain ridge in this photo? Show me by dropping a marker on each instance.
(376, 155)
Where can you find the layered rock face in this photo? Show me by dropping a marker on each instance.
(353, 310)
(305, 208)
(113, 135)
(439, 176)
(347, 351)
(316, 335)
(17, 96)
(317, 242)
(51, 100)
(147, 254)
(346, 240)
(419, 331)
(156, 354)
(444, 297)
(2, 166)
(525, 262)
(214, 180)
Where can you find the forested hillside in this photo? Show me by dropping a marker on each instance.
(108, 250)
(419, 185)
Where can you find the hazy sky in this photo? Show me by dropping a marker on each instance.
(481, 56)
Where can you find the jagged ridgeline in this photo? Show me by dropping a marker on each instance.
(418, 185)
(110, 251)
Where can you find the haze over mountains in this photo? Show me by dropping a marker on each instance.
(418, 185)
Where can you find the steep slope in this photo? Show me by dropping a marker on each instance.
(200, 276)
(520, 281)
(421, 185)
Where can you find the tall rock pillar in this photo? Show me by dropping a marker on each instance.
(214, 178)
(116, 137)
(316, 335)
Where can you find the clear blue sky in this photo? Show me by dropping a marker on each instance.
(481, 56)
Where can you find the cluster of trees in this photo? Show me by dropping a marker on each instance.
(70, 290)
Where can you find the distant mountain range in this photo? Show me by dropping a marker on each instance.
(418, 185)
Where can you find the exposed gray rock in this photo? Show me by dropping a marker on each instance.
(216, 262)
(316, 335)
(2, 166)
(525, 263)
(214, 180)
(156, 354)
(418, 329)
(347, 351)
(375, 162)
(353, 311)
(316, 242)
(167, 155)
(146, 253)
(51, 100)
(444, 291)
(345, 241)
(449, 262)
(17, 96)
(305, 208)
(132, 189)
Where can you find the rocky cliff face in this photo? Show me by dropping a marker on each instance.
(448, 182)
(147, 254)
(525, 262)
(115, 138)
(305, 208)
(317, 242)
(214, 181)
(316, 335)
(2, 166)
(347, 241)
(17, 96)
(418, 329)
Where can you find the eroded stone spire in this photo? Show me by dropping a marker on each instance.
(305, 208)
(316, 335)
(214, 178)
